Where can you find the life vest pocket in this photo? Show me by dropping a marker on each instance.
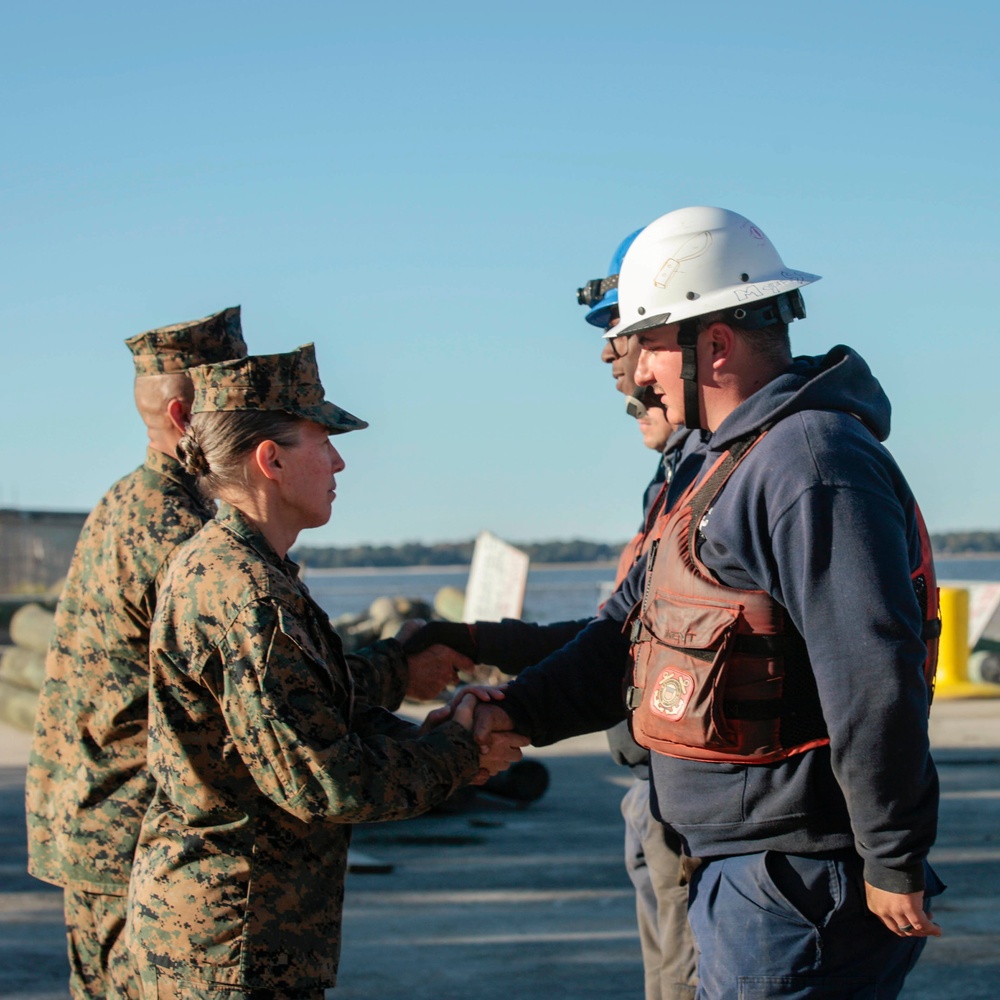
(694, 692)
(680, 670)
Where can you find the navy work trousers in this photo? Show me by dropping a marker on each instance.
(790, 926)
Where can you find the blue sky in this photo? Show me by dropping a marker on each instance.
(419, 189)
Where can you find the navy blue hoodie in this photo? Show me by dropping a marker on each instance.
(820, 517)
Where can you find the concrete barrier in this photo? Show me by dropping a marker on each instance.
(22, 666)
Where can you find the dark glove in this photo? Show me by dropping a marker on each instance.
(456, 635)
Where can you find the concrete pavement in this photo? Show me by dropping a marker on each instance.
(499, 902)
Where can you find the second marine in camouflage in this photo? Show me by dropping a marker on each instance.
(87, 782)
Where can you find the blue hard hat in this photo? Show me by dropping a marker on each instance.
(601, 294)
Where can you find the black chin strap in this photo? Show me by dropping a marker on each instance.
(687, 340)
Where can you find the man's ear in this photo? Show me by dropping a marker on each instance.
(720, 340)
(267, 455)
(179, 414)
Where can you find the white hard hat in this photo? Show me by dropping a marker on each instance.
(695, 261)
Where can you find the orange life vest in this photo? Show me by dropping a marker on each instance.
(639, 545)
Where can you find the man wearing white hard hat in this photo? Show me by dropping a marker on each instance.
(779, 640)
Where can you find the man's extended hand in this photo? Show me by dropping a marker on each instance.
(902, 912)
(503, 749)
(499, 745)
(498, 742)
(490, 718)
(433, 669)
(432, 665)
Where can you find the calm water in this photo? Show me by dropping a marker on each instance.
(957, 568)
(553, 593)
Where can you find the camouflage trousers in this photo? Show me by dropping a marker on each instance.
(157, 984)
(100, 966)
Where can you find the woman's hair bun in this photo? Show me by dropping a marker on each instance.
(191, 455)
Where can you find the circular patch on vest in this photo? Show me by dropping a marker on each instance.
(671, 693)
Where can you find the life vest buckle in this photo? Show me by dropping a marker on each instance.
(633, 698)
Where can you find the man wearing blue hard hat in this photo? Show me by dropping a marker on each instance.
(652, 850)
(658, 434)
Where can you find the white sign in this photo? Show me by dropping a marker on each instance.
(497, 579)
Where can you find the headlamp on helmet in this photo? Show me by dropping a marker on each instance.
(601, 294)
(595, 290)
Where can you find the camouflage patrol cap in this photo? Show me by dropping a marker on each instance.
(177, 348)
(288, 382)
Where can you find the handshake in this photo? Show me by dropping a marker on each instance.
(435, 654)
(476, 710)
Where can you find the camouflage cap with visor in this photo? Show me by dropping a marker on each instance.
(176, 348)
(288, 382)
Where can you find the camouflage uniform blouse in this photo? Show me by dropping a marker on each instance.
(87, 784)
(264, 755)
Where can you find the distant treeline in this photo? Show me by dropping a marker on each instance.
(954, 543)
(446, 554)
(573, 551)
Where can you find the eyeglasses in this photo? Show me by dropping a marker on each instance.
(619, 345)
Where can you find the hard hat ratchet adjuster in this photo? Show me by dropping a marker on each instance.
(782, 308)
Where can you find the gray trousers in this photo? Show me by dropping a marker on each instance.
(668, 951)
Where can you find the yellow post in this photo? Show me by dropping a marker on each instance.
(953, 651)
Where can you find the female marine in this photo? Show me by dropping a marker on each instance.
(263, 746)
